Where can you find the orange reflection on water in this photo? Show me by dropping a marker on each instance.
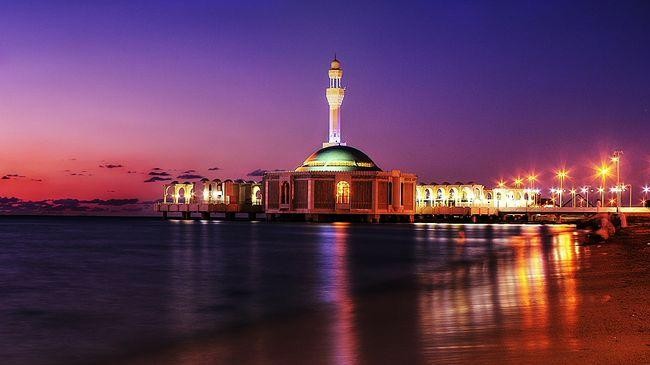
(518, 294)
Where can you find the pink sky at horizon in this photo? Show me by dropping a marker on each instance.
(457, 92)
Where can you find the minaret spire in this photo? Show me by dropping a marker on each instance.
(335, 93)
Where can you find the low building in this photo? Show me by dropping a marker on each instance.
(469, 200)
(214, 196)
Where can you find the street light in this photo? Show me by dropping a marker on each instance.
(519, 182)
(603, 172)
(553, 192)
(646, 190)
(601, 190)
(573, 196)
(585, 190)
(561, 175)
(531, 179)
(616, 158)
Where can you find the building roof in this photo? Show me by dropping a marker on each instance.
(338, 158)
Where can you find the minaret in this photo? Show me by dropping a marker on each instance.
(335, 94)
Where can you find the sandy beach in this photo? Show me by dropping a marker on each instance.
(597, 312)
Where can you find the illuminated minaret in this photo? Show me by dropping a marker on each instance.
(335, 93)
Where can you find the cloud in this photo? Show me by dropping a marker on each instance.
(156, 169)
(12, 205)
(66, 202)
(190, 177)
(8, 200)
(111, 166)
(189, 171)
(156, 173)
(259, 172)
(112, 202)
(214, 168)
(37, 180)
(11, 176)
(131, 172)
(157, 178)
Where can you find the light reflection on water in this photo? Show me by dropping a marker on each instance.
(345, 293)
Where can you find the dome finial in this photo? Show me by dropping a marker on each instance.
(335, 64)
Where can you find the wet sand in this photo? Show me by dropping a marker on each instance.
(590, 308)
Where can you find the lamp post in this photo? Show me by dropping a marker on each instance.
(603, 172)
(531, 180)
(573, 197)
(553, 191)
(585, 190)
(561, 175)
(616, 158)
(629, 186)
(601, 190)
(646, 190)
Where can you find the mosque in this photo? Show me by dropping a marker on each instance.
(339, 180)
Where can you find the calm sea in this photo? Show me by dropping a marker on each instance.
(94, 290)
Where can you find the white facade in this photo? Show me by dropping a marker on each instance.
(473, 195)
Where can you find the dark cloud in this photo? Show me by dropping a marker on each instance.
(111, 166)
(156, 169)
(259, 172)
(189, 177)
(214, 168)
(11, 176)
(66, 202)
(161, 173)
(157, 178)
(38, 180)
(131, 172)
(189, 171)
(80, 174)
(12, 205)
(112, 202)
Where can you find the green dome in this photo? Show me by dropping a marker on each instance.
(338, 158)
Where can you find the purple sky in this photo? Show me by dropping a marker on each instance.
(452, 91)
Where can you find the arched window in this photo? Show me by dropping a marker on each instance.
(284, 193)
(390, 193)
(256, 195)
(343, 192)
(180, 196)
(427, 194)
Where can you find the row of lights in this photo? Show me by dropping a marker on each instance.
(603, 171)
